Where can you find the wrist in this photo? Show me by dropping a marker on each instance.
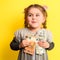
(21, 45)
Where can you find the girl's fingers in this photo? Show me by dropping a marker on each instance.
(40, 43)
(25, 43)
(43, 44)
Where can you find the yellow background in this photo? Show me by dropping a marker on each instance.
(12, 18)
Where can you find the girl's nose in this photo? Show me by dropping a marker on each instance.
(33, 17)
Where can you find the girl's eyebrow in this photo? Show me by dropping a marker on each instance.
(29, 13)
(32, 13)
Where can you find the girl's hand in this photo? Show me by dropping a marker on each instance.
(43, 44)
(24, 43)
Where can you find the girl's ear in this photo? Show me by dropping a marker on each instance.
(43, 20)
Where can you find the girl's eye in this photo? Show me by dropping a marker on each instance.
(29, 15)
(37, 15)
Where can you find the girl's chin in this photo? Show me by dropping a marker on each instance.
(34, 26)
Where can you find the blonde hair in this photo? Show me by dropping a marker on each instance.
(41, 8)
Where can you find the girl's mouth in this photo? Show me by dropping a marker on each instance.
(33, 21)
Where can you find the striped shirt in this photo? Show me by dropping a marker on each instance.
(41, 34)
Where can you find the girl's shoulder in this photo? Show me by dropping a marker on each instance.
(47, 31)
(22, 30)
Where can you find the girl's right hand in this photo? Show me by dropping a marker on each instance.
(24, 43)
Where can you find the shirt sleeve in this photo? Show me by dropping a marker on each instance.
(14, 45)
(18, 35)
(49, 37)
(50, 40)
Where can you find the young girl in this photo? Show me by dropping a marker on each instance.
(35, 31)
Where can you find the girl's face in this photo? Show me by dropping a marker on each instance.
(35, 18)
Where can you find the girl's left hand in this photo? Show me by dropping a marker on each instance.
(43, 44)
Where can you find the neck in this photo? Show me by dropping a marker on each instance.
(35, 29)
